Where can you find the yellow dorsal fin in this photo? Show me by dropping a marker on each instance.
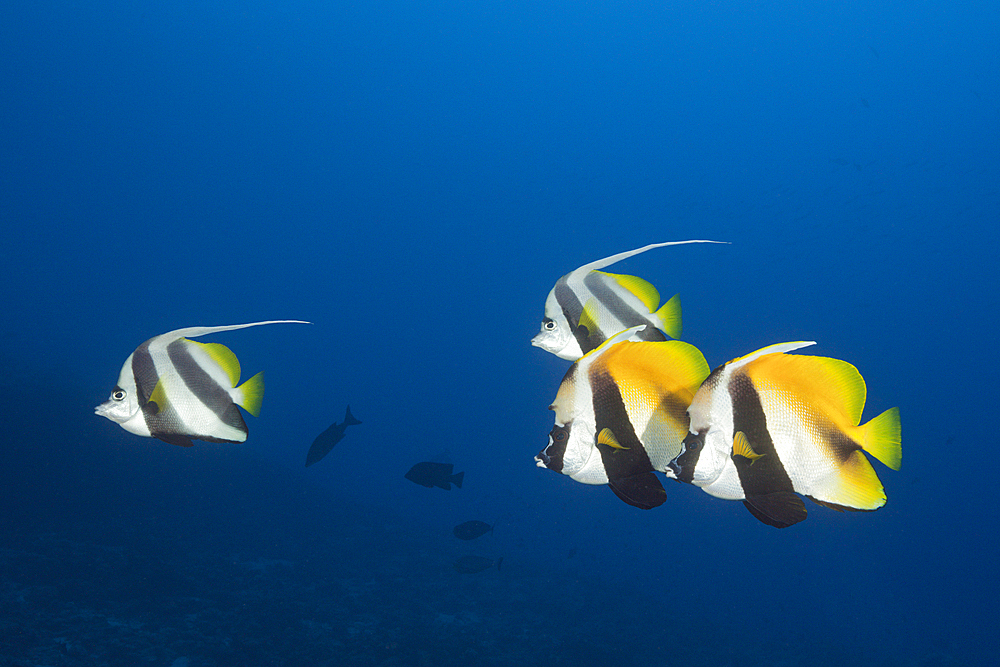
(250, 394)
(224, 357)
(883, 439)
(606, 437)
(741, 447)
(639, 287)
(670, 365)
(832, 386)
(669, 316)
(159, 396)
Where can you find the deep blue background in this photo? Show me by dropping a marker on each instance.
(413, 178)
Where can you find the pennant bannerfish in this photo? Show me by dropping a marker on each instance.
(588, 306)
(771, 425)
(621, 413)
(177, 389)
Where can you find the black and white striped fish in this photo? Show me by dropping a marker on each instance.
(770, 425)
(177, 389)
(621, 414)
(586, 307)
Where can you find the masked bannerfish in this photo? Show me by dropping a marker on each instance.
(587, 306)
(769, 425)
(177, 389)
(621, 414)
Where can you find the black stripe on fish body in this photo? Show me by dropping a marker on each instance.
(572, 310)
(650, 333)
(597, 283)
(770, 495)
(210, 393)
(629, 460)
(164, 422)
(144, 373)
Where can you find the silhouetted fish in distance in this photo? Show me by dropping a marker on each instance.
(470, 530)
(325, 441)
(474, 564)
(431, 474)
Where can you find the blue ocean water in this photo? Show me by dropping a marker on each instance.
(413, 178)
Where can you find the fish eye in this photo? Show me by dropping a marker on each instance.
(548, 325)
(118, 394)
(559, 435)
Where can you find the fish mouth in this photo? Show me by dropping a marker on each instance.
(542, 459)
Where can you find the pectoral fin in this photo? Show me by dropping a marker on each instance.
(607, 437)
(741, 447)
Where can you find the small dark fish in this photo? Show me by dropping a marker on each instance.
(325, 441)
(873, 51)
(572, 552)
(430, 474)
(865, 103)
(473, 564)
(470, 530)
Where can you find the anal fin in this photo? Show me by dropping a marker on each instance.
(175, 439)
(780, 509)
(643, 490)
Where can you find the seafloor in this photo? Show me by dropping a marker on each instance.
(207, 557)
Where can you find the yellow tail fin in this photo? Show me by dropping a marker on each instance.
(250, 394)
(882, 438)
(670, 316)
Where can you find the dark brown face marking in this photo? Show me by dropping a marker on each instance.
(552, 455)
(683, 466)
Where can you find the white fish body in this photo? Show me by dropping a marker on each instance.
(588, 306)
(177, 389)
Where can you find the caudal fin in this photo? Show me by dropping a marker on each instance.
(349, 419)
(457, 478)
(883, 440)
(669, 316)
(250, 394)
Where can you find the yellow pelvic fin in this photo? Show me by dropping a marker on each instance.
(159, 396)
(250, 394)
(882, 438)
(741, 447)
(639, 287)
(606, 437)
(223, 356)
(669, 317)
(587, 317)
(831, 386)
